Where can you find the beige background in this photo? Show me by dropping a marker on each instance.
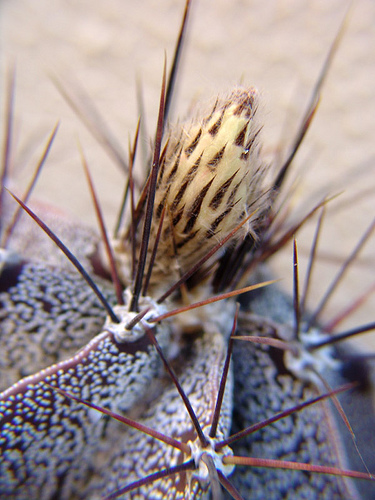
(278, 46)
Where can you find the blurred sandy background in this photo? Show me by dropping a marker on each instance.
(278, 46)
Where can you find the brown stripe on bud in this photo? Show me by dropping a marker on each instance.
(216, 200)
(212, 164)
(175, 166)
(194, 211)
(216, 126)
(189, 150)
